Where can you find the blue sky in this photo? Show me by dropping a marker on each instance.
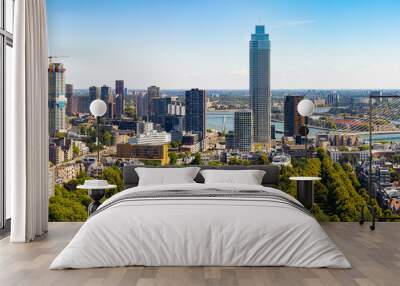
(184, 44)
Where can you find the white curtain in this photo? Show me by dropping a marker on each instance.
(27, 124)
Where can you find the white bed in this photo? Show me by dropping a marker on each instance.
(202, 231)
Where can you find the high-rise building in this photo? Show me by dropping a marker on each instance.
(293, 121)
(230, 140)
(260, 88)
(196, 111)
(119, 98)
(333, 99)
(160, 109)
(105, 93)
(106, 96)
(69, 92)
(243, 126)
(57, 100)
(83, 103)
(142, 106)
(94, 93)
(152, 93)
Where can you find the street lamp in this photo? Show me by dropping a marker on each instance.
(306, 108)
(98, 108)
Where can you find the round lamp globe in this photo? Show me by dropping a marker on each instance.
(306, 107)
(98, 107)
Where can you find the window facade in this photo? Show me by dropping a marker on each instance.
(6, 43)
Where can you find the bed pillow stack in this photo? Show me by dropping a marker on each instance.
(166, 176)
(247, 177)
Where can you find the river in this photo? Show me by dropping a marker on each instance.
(215, 120)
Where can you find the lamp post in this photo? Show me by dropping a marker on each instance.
(306, 108)
(98, 108)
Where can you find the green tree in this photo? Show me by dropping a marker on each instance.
(215, 163)
(175, 144)
(75, 150)
(107, 138)
(60, 135)
(173, 158)
(66, 206)
(113, 175)
(130, 111)
(197, 159)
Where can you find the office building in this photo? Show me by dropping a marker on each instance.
(105, 93)
(196, 112)
(69, 92)
(143, 127)
(230, 140)
(273, 132)
(151, 138)
(243, 124)
(142, 106)
(144, 152)
(83, 103)
(57, 100)
(119, 98)
(159, 107)
(293, 121)
(333, 99)
(174, 123)
(164, 107)
(260, 88)
(94, 93)
(153, 92)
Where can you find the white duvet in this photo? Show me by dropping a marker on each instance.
(202, 232)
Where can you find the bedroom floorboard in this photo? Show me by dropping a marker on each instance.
(375, 257)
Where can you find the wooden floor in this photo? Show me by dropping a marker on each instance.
(375, 257)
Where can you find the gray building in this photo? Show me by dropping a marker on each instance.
(196, 111)
(243, 125)
(260, 88)
(153, 92)
(142, 106)
(119, 98)
(57, 100)
(69, 92)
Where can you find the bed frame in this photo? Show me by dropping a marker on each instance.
(270, 179)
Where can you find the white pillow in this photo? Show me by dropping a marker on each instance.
(248, 177)
(166, 176)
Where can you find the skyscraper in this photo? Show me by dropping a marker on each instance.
(152, 93)
(105, 93)
(57, 100)
(196, 109)
(94, 93)
(119, 98)
(69, 92)
(106, 96)
(260, 88)
(292, 119)
(141, 106)
(243, 126)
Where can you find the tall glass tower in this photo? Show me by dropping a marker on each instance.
(260, 87)
(57, 100)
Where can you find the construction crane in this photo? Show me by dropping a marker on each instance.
(56, 57)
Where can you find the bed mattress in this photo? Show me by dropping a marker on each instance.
(201, 225)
